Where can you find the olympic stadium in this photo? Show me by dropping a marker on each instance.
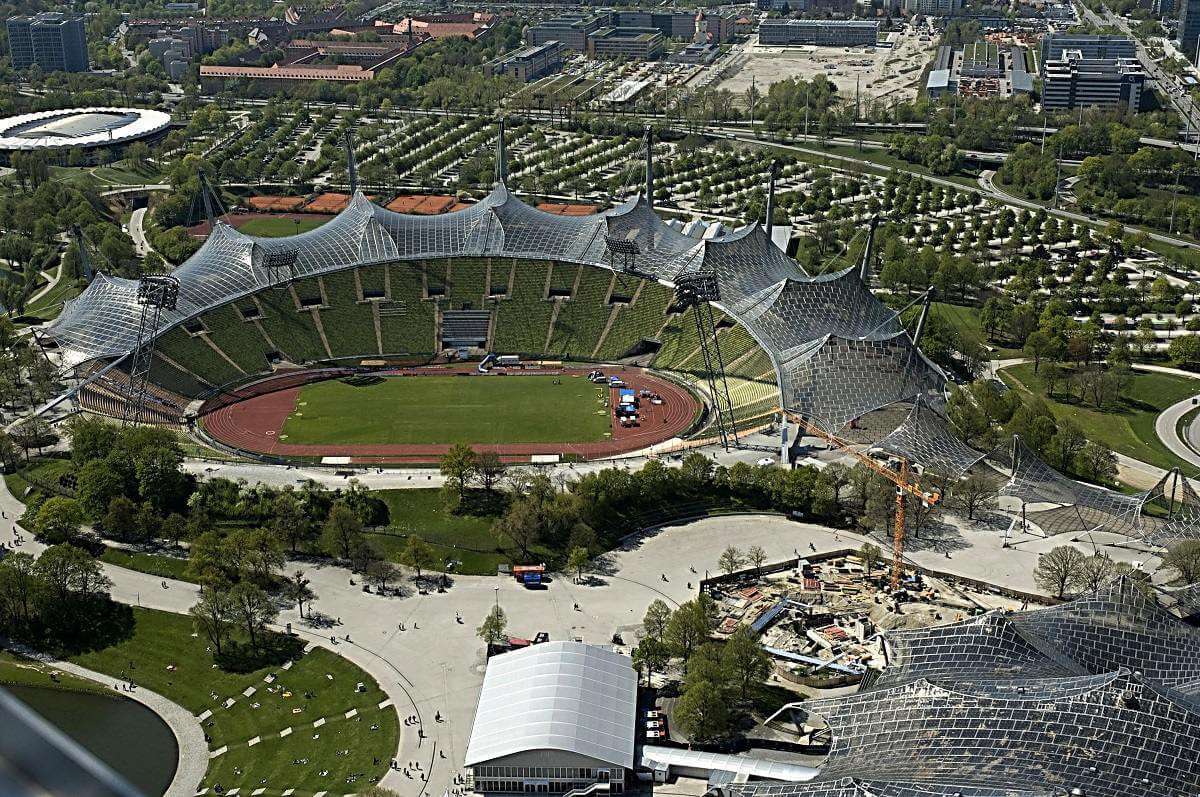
(80, 128)
(1098, 697)
(257, 319)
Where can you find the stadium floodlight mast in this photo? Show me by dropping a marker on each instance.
(155, 293)
(624, 248)
(280, 266)
(697, 290)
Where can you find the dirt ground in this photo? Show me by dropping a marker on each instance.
(886, 73)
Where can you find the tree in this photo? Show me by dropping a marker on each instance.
(290, 523)
(1185, 557)
(971, 494)
(1095, 571)
(869, 553)
(1058, 570)
(731, 559)
(690, 626)
(342, 530)
(1185, 350)
(69, 571)
(703, 712)
(417, 554)
(651, 656)
(745, 660)
(756, 556)
(459, 465)
(1065, 444)
(254, 609)
(1038, 346)
(97, 485)
(577, 560)
(493, 629)
(521, 525)
(58, 520)
(1096, 462)
(655, 621)
(297, 590)
(490, 469)
(380, 573)
(213, 617)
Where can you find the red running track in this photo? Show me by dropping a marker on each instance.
(254, 423)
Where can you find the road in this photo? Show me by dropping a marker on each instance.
(1166, 86)
(137, 232)
(988, 185)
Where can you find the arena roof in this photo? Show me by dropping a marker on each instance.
(79, 127)
(1096, 697)
(837, 350)
(558, 696)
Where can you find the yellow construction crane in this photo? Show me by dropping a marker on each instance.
(902, 476)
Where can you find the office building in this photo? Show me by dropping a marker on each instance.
(528, 63)
(553, 718)
(820, 32)
(1074, 81)
(55, 42)
(629, 44)
(1090, 47)
(933, 8)
(678, 25)
(1189, 27)
(569, 30)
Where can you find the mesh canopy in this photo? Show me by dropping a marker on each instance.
(1111, 735)
(987, 647)
(854, 787)
(1071, 506)
(838, 351)
(925, 437)
(1119, 626)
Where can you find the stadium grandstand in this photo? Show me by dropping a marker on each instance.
(374, 286)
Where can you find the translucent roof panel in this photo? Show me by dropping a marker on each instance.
(558, 696)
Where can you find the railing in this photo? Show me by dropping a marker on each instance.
(599, 787)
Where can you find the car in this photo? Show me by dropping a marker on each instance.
(766, 461)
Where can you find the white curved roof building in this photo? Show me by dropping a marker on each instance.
(86, 128)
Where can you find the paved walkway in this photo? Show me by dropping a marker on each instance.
(189, 736)
(1166, 426)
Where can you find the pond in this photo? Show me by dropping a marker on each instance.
(124, 734)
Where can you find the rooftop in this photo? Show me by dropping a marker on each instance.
(557, 695)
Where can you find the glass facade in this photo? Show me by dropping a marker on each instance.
(545, 780)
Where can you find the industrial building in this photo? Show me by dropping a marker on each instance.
(528, 63)
(554, 717)
(819, 32)
(979, 69)
(632, 44)
(1074, 81)
(54, 42)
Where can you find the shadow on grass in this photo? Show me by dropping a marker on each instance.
(84, 626)
(274, 650)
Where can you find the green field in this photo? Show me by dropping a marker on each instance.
(168, 659)
(277, 227)
(450, 409)
(966, 321)
(1128, 430)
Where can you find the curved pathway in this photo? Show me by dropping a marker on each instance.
(1166, 426)
(189, 736)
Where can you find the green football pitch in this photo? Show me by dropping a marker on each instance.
(450, 409)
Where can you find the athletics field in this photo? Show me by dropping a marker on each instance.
(449, 409)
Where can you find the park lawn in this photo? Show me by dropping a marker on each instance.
(965, 320)
(463, 538)
(50, 305)
(278, 227)
(155, 564)
(1128, 431)
(47, 470)
(17, 670)
(449, 409)
(162, 639)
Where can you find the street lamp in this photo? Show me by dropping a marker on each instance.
(496, 589)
